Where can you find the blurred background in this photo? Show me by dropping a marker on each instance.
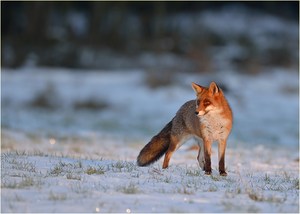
(85, 71)
(182, 36)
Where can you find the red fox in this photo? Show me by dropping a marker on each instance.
(207, 119)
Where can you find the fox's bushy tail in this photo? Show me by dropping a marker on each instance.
(157, 146)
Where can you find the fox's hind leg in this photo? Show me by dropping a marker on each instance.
(200, 156)
(173, 146)
(169, 153)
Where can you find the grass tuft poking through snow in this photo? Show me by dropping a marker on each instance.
(68, 159)
(102, 182)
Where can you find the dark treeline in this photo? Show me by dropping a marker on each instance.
(38, 25)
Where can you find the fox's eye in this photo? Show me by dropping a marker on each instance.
(206, 103)
(198, 102)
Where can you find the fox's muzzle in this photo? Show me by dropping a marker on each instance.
(200, 113)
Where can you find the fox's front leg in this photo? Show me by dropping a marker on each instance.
(207, 155)
(221, 154)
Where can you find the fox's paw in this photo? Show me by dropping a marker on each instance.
(165, 166)
(223, 173)
(207, 172)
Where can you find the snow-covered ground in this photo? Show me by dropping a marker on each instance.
(70, 140)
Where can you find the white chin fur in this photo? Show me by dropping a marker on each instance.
(201, 113)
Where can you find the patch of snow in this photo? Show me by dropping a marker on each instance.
(83, 160)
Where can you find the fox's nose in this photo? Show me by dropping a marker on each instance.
(196, 112)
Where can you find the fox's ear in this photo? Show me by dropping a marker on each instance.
(197, 88)
(214, 88)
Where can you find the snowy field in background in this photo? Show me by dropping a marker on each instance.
(57, 102)
(70, 139)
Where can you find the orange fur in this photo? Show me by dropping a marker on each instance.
(207, 119)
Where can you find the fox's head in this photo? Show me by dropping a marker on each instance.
(208, 99)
